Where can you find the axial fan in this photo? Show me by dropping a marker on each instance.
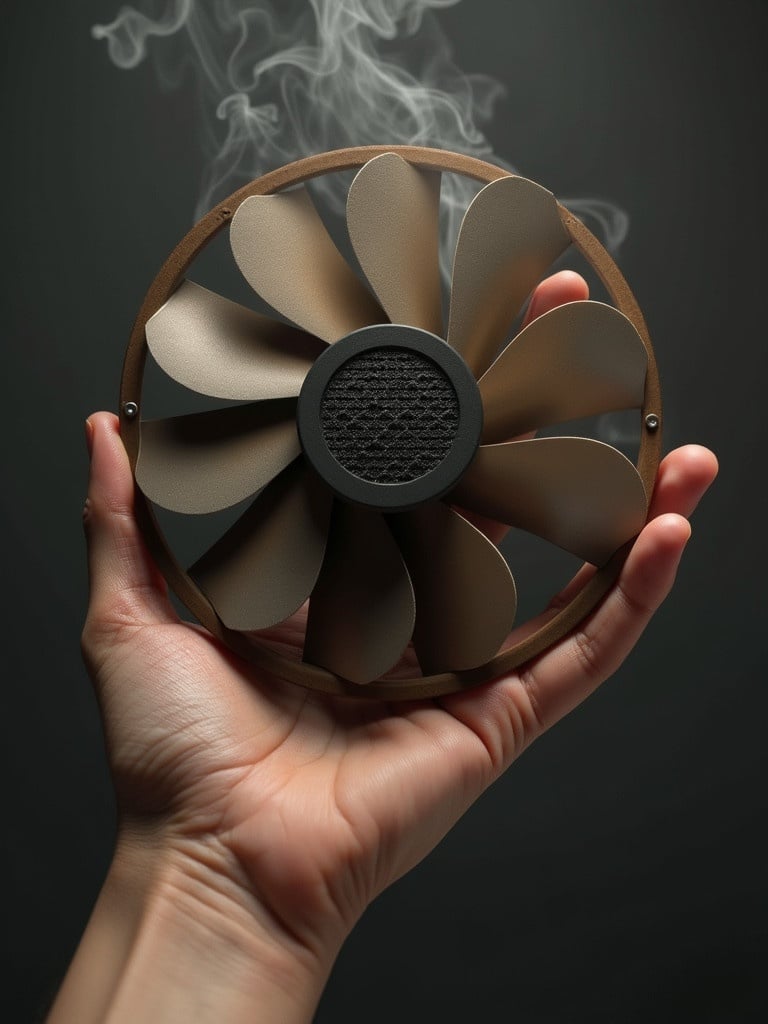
(364, 428)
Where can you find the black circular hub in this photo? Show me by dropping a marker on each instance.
(389, 416)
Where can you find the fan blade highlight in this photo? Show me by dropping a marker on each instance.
(362, 609)
(266, 565)
(217, 347)
(392, 217)
(580, 494)
(289, 259)
(211, 460)
(510, 235)
(579, 359)
(465, 594)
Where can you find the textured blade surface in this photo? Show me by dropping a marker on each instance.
(265, 566)
(211, 460)
(362, 609)
(465, 594)
(579, 359)
(217, 347)
(289, 259)
(392, 216)
(510, 235)
(580, 494)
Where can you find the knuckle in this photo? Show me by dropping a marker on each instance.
(93, 641)
(97, 630)
(634, 605)
(530, 686)
(588, 651)
(111, 616)
(108, 508)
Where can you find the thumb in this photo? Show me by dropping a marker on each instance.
(126, 588)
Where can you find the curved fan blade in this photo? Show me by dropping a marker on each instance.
(465, 594)
(510, 235)
(287, 256)
(211, 460)
(579, 359)
(392, 216)
(265, 566)
(582, 495)
(216, 347)
(362, 609)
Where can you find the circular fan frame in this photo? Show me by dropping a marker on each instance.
(165, 283)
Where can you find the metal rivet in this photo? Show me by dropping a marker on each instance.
(130, 410)
(652, 421)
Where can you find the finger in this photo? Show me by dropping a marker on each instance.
(125, 586)
(565, 286)
(564, 676)
(683, 478)
(556, 290)
(510, 713)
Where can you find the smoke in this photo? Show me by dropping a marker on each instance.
(127, 35)
(282, 79)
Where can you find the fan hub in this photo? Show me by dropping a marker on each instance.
(390, 417)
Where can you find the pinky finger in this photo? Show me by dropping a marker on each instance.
(564, 676)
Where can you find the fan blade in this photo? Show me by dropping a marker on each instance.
(211, 460)
(287, 256)
(465, 594)
(362, 609)
(579, 359)
(216, 347)
(580, 494)
(392, 216)
(510, 235)
(266, 565)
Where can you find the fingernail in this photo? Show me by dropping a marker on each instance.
(89, 437)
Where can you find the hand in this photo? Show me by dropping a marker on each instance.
(264, 818)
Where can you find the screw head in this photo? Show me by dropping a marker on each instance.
(130, 410)
(652, 421)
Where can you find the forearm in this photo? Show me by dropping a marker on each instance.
(172, 940)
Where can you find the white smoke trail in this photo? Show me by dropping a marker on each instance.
(127, 35)
(289, 78)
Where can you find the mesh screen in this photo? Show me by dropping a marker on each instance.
(389, 415)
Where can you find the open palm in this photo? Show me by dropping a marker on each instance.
(317, 803)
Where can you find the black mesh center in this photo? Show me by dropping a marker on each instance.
(389, 415)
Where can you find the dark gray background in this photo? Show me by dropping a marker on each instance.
(617, 873)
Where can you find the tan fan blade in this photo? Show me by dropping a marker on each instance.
(510, 235)
(211, 460)
(465, 594)
(580, 494)
(362, 609)
(266, 565)
(219, 348)
(580, 359)
(392, 216)
(287, 256)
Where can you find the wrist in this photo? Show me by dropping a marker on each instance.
(205, 938)
(187, 940)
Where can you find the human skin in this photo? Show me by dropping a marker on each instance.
(258, 820)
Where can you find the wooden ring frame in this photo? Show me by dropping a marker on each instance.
(170, 276)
